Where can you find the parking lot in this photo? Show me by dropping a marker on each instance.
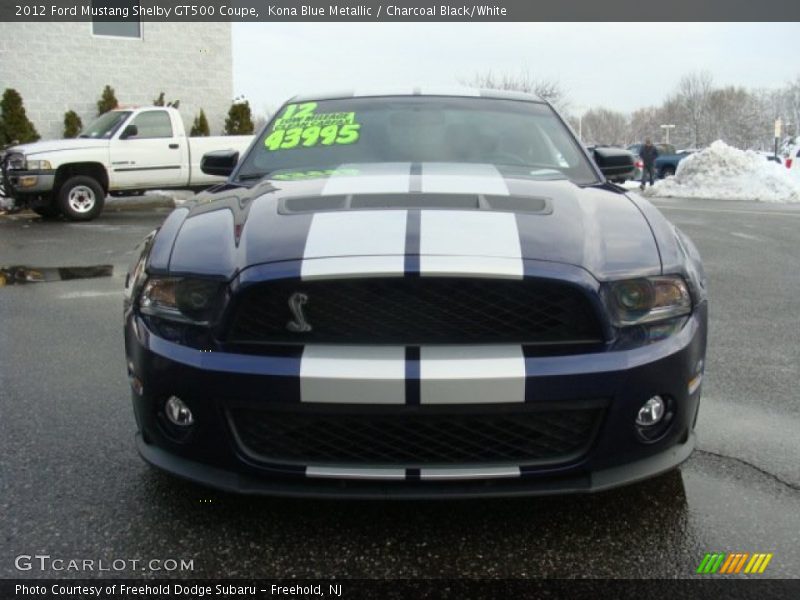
(74, 487)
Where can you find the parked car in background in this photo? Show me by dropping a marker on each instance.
(636, 149)
(667, 164)
(122, 150)
(792, 159)
(621, 177)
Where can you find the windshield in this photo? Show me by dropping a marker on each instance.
(329, 133)
(105, 125)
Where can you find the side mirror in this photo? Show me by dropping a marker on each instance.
(614, 162)
(129, 131)
(219, 162)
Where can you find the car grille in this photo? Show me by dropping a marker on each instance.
(415, 436)
(417, 310)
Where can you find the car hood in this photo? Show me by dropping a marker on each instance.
(438, 214)
(48, 146)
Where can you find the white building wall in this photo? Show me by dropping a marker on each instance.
(58, 67)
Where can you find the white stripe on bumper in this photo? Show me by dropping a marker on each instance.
(472, 375)
(452, 240)
(353, 374)
(447, 473)
(355, 473)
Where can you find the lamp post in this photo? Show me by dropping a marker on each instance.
(666, 129)
(580, 110)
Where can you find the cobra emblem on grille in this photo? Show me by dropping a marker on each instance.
(299, 323)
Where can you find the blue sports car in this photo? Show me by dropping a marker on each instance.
(423, 294)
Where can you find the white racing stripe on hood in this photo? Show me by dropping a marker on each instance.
(448, 178)
(379, 178)
(472, 374)
(355, 242)
(353, 374)
(470, 242)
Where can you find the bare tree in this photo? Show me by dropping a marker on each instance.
(736, 117)
(788, 106)
(604, 126)
(645, 123)
(694, 91)
(546, 89)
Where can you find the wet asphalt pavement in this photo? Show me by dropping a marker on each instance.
(73, 487)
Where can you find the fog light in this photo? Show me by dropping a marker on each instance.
(651, 412)
(178, 413)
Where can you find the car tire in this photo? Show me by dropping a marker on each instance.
(81, 198)
(667, 172)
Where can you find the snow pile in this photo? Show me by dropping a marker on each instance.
(726, 173)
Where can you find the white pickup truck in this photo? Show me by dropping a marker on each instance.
(122, 151)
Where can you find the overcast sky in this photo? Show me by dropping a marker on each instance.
(622, 66)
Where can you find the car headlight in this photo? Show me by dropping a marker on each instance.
(647, 300)
(38, 165)
(180, 299)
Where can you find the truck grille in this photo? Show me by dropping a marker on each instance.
(417, 310)
(416, 436)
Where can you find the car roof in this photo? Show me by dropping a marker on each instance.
(456, 91)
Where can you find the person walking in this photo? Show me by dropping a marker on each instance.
(649, 154)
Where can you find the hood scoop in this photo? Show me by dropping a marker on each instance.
(517, 204)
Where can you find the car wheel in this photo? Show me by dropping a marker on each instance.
(81, 198)
(667, 172)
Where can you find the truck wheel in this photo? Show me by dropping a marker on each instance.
(81, 198)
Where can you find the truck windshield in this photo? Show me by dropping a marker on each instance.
(104, 126)
(525, 136)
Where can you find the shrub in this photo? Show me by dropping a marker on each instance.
(14, 123)
(200, 125)
(239, 120)
(161, 102)
(108, 101)
(72, 124)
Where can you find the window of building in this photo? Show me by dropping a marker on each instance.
(128, 29)
(152, 124)
(131, 27)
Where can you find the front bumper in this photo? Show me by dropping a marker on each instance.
(24, 183)
(580, 482)
(211, 382)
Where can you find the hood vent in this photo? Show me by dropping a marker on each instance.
(517, 204)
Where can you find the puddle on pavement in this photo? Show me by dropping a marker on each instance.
(17, 275)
